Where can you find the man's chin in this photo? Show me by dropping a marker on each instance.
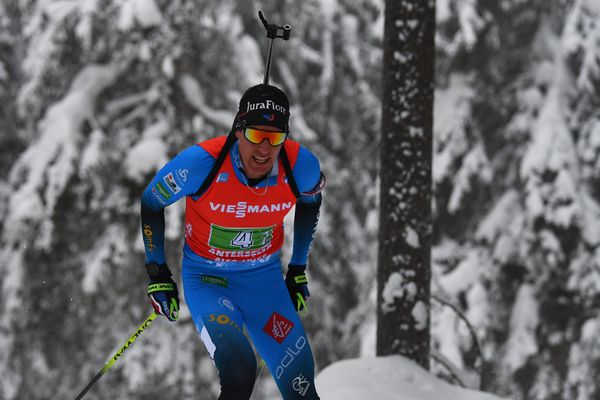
(259, 170)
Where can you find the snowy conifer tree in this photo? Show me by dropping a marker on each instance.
(517, 206)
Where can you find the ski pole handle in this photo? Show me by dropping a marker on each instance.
(117, 355)
(273, 33)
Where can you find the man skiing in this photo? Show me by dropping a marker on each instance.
(238, 189)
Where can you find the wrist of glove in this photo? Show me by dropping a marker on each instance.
(297, 285)
(162, 291)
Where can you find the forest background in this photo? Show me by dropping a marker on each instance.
(96, 95)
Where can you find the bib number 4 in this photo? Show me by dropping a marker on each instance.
(242, 240)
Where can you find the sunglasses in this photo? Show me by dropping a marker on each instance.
(257, 136)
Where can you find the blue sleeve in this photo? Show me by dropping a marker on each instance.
(307, 172)
(310, 181)
(180, 177)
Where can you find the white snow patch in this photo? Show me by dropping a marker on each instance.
(84, 27)
(328, 67)
(193, 94)
(328, 9)
(592, 5)
(412, 237)
(387, 378)
(523, 324)
(442, 10)
(149, 154)
(452, 109)
(478, 310)
(250, 52)
(463, 276)
(552, 146)
(3, 72)
(496, 220)
(92, 154)
(174, 220)
(475, 166)
(168, 68)
(44, 169)
(420, 313)
(107, 247)
(444, 329)
(350, 26)
(591, 227)
(368, 333)
(143, 12)
(470, 21)
(396, 288)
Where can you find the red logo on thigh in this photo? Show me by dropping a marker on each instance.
(278, 327)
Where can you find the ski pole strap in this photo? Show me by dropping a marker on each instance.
(301, 305)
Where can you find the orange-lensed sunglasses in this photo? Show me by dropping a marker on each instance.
(256, 136)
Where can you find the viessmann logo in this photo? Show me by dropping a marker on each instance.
(242, 208)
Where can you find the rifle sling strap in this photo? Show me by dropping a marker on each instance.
(221, 158)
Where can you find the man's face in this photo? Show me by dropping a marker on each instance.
(257, 159)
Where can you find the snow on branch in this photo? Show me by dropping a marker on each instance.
(143, 12)
(42, 172)
(524, 321)
(475, 165)
(581, 39)
(548, 167)
(193, 94)
(452, 107)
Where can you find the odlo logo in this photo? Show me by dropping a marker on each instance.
(301, 384)
(289, 356)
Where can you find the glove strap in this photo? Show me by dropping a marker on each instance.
(161, 287)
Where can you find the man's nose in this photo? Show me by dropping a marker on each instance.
(264, 146)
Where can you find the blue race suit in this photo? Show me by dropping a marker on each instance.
(224, 297)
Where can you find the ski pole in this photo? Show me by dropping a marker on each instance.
(117, 355)
(273, 33)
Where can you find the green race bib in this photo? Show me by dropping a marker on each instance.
(239, 238)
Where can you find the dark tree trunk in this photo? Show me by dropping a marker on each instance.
(404, 271)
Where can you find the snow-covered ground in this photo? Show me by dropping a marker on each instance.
(387, 378)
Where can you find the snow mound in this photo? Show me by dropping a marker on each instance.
(387, 378)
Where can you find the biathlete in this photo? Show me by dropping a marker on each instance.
(238, 189)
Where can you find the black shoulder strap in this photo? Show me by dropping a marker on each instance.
(218, 163)
(221, 157)
(288, 172)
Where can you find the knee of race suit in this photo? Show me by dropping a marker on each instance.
(234, 358)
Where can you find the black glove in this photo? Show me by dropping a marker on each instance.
(162, 291)
(297, 285)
